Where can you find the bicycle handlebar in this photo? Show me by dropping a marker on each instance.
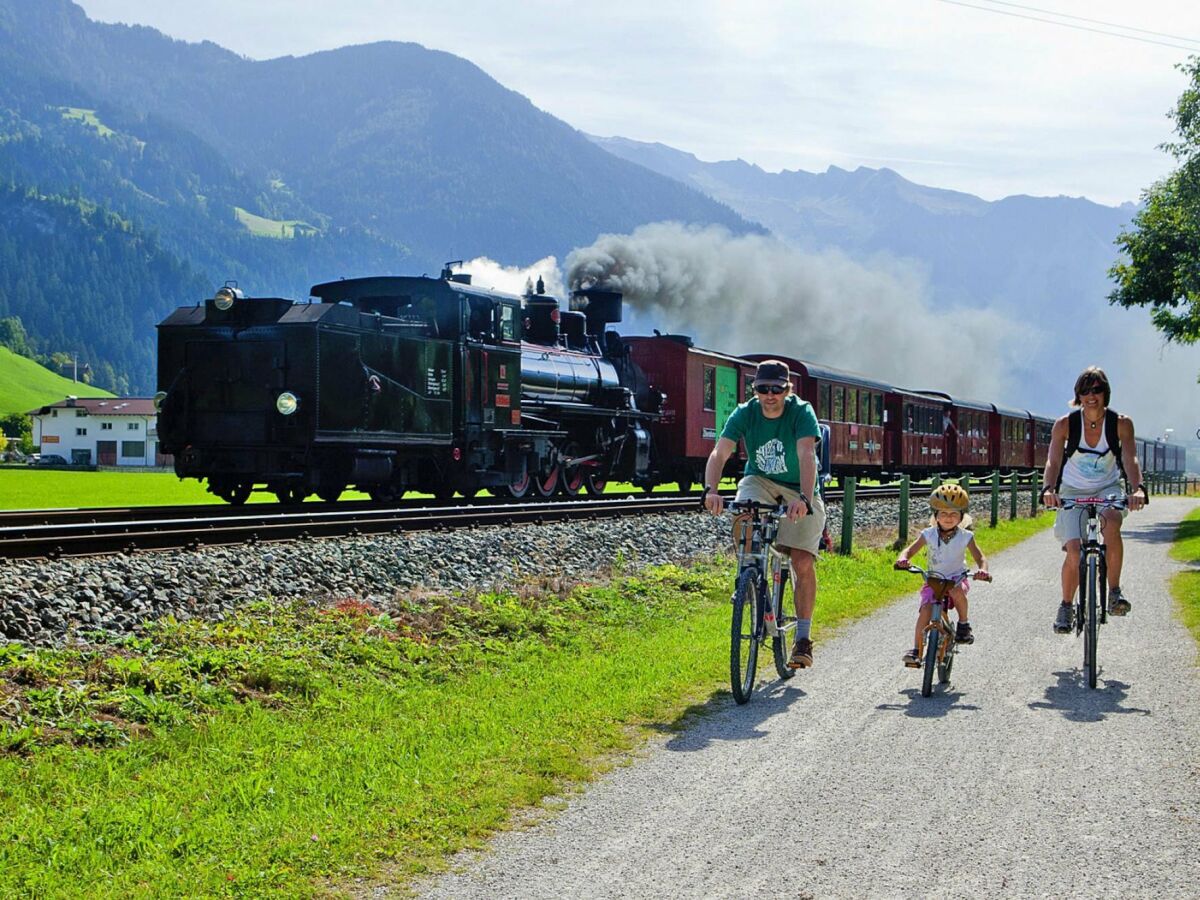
(1112, 501)
(977, 574)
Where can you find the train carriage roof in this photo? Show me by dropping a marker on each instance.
(1012, 413)
(357, 289)
(959, 401)
(826, 373)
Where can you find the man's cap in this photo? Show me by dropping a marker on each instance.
(772, 371)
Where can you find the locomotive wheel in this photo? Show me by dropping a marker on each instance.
(546, 483)
(385, 493)
(517, 489)
(572, 480)
(290, 495)
(234, 494)
(594, 484)
(331, 492)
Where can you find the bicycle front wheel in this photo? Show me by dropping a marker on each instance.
(933, 639)
(781, 640)
(744, 631)
(946, 663)
(1091, 628)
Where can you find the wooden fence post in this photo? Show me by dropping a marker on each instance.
(848, 514)
(995, 498)
(1012, 495)
(904, 490)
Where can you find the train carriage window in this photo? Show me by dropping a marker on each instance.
(508, 322)
(851, 404)
(864, 401)
(747, 385)
(823, 402)
(878, 419)
(710, 388)
(838, 401)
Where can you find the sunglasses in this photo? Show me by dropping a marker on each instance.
(1091, 389)
(769, 389)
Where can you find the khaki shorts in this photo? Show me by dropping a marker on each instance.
(1070, 524)
(804, 534)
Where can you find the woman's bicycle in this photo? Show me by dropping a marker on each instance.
(763, 572)
(1091, 606)
(937, 642)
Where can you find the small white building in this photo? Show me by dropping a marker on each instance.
(108, 431)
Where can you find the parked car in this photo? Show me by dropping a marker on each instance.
(48, 459)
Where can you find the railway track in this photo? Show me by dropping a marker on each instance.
(54, 533)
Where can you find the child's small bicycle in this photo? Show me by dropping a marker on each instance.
(937, 641)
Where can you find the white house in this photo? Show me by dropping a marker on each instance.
(109, 431)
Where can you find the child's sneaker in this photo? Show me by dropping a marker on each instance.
(963, 634)
(912, 658)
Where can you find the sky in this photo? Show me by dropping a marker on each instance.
(949, 94)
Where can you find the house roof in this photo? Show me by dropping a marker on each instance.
(102, 406)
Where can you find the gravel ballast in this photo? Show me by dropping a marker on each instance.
(48, 602)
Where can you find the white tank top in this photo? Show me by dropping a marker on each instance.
(1091, 468)
(947, 558)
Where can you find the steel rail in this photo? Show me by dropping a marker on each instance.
(154, 533)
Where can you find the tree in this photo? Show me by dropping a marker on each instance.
(1160, 267)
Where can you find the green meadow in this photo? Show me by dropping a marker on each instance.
(24, 385)
(1185, 586)
(287, 752)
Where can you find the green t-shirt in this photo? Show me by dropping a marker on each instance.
(771, 443)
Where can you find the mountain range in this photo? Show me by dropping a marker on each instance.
(138, 173)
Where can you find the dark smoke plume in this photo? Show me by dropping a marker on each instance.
(755, 294)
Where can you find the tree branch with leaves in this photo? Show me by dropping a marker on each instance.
(1160, 264)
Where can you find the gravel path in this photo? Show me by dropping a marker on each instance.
(1017, 781)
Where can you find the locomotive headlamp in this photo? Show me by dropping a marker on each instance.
(287, 403)
(225, 296)
(158, 400)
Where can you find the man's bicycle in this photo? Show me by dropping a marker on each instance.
(763, 572)
(938, 645)
(1091, 600)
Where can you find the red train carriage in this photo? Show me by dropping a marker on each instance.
(1041, 440)
(702, 388)
(968, 434)
(915, 439)
(1012, 434)
(852, 405)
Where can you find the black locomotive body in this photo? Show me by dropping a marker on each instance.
(400, 383)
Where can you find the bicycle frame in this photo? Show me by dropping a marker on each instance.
(756, 598)
(757, 550)
(938, 637)
(1091, 599)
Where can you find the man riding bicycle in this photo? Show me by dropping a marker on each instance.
(780, 431)
(1090, 449)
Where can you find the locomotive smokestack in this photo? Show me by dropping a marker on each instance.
(601, 306)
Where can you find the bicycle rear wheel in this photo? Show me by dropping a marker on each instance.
(744, 631)
(1091, 628)
(932, 639)
(780, 643)
(946, 663)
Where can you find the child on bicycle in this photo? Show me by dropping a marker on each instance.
(948, 540)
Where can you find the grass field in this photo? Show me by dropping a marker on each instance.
(1185, 586)
(22, 487)
(287, 752)
(284, 229)
(24, 385)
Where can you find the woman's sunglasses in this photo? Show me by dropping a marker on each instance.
(1092, 389)
(775, 389)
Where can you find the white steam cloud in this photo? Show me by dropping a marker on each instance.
(755, 294)
(488, 273)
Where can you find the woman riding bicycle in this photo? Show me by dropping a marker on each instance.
(780, 431)
(948, 540)
(1090, 450)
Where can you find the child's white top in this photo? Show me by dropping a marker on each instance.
(947, 558)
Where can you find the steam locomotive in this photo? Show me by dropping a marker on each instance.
(393, 384)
